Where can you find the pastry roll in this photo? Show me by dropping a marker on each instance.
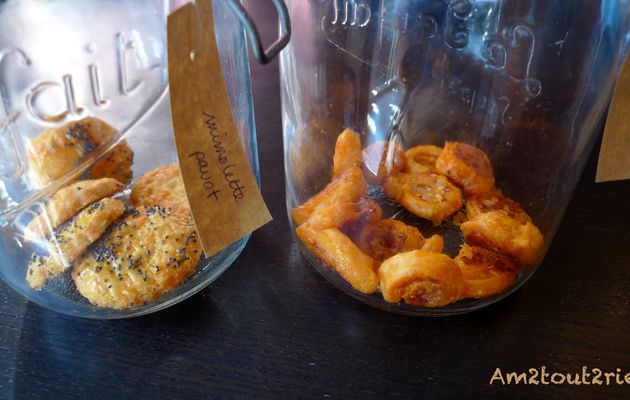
(494, 200)
(348, 187)
(337, 251)
(347, 152)
(421, 278)
(497, 231)
(421, 159)
(485, 272)
(467, 166)
(386, 238)
(427, 195)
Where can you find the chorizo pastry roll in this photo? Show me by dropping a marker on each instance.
(434, 244)
(421, 159)
(385, 238)
(382, 159)
(494, 200)
(347, 152)
(337, 251)
(348, 187)
(346, 216)
(421, 278)
(467, 166)
(485, 272)
(497, 231)
(427, 195)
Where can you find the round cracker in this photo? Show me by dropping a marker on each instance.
(148, 254)
(72, 239)
(162, 187)
(116, 163)
(57, 151)
(67, 202)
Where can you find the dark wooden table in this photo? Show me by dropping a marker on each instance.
(271, 327)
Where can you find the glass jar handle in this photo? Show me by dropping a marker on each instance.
(264, 56)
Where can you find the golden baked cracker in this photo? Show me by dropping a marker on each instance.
(55, 152)
(148, 254)
(116, 163)
(162, 187)
(72, 239)
(67, 202)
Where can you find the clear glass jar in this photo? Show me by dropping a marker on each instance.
(62, 61)
(525, 82)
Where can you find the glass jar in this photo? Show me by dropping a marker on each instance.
(510, 94)
(84, 116)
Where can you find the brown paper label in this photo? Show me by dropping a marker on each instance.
(224, 198)
(614, 155)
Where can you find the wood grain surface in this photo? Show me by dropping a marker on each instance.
(273, 328)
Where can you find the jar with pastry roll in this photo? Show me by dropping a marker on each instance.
(435, 145)
(94, 217)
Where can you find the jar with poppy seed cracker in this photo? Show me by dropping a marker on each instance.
(94, 216)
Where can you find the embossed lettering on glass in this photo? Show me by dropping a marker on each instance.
(62, 61)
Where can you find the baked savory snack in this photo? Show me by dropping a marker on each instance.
(72, 239)
(342, 225)
(467, 166)
(162, 187)
(387, 237)
(121, 257)
(57, 151)
(116, 163)
(348, 216)
(348, 187)
(422, 158)
(421, 278)
(494, 200)
(497, 231)
(433, 244)
(144, 256)
(485, 272)
(347, 152)
(338, 252)
(67, 202)
(427, 195)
